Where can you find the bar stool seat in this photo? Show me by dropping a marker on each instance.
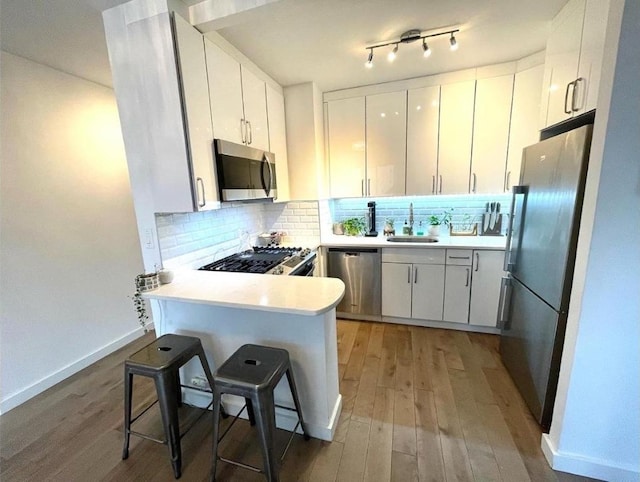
(161, 360)
(253, 372)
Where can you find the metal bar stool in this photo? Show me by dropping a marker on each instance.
(161, 360)
(253, 372)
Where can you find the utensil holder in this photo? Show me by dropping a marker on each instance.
(496, 229)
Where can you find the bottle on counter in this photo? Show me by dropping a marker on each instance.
(420, 231)
(406, 229)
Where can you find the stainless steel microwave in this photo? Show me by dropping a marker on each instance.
(244, 173)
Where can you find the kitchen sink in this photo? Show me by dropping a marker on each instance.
(411, 239)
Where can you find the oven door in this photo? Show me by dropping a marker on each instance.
(307, 269)
(244, 173)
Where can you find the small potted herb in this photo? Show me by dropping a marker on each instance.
(353, 226)
(436, 221)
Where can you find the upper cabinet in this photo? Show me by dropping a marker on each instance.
(492, 117)
(278, 140)
(237, 100)
(524, 120)
(423, 115)
(197, 116)
(456, 130)
(386, 130)
(346, 132)
(573, 60)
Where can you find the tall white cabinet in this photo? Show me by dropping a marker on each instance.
(386, 128)
(278, 140)
(492, 117)
(423, 116)
(456, 130)
(347, 158)
(255, 110)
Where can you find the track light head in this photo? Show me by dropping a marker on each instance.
(426, 51)
(369, 63)
(453, 42)
(392, 55)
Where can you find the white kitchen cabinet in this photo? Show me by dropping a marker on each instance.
(573, 60)
(278, 140)
(456, 126)
(423, 115)
(457, 285)
(492, 117)
(255, 110)
(346, 131)
(413, 283)
(485, 287)
(195, 104)
(386, 136)
(237, 100)
(524, 131)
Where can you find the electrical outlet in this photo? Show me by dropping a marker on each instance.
(200, 382)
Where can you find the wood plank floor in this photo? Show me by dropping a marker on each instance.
(419, 404)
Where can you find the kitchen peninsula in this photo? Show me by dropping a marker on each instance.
(227, 310)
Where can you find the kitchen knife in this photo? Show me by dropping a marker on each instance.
(492, 216)
(485, 219)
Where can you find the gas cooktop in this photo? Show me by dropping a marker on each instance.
(268, 259)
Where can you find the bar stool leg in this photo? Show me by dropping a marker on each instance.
(178, 390)
(165, 386)
(128, 382)
(266, 422)
(209, 375)
(250, 412)
(216, 432)
(296, 402)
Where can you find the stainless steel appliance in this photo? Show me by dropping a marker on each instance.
(244, 173)
(539, 259)
(359, 269)
(275, 260)
(371, 219)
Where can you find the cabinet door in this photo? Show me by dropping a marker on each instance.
(485, 287)
(278, 140)
(427, 291)
(197, 116)
(591, 54)
(457, 288)
(396, 289)
(456, 124)
(225, 94)
(423, 114)
(492, 117)
(386, 139)
(527, 90)
(346, 147)
(561, 61)
(255, 110)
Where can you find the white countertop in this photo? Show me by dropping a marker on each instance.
(284, 294)
(467, 242)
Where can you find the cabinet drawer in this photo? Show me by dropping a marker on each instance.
(413, 255)
(459, 257)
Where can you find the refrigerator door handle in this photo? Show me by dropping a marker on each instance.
(504, 304)
(509, 260)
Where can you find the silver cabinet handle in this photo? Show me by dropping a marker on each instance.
(458, 257)
(369, 187)
(477, 260)
(466, 284)
(200, 183)
(575, 108)
(474, 183)
(362, 186)
(243, 131)
(249, 133)
(440, 190)
(409, 274)
(433, 184)
(504, 303)
(506, 182)
(566, 98)
(415, 274)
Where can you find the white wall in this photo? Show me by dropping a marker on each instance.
(69, 244)
(596, 421)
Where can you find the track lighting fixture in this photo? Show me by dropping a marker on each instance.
(408, 37)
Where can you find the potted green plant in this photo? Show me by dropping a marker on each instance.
(436, 221)
(388, 227)
(353, 226)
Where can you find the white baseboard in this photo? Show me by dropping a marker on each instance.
(41, 385)
(586, 466)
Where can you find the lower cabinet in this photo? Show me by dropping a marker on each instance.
(451, 285)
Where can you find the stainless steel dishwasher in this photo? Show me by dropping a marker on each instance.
(360, 270)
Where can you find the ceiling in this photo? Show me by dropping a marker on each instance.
(297, 41)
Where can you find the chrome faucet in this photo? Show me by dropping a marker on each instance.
(411, 218)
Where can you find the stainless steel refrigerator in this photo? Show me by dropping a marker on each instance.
(539, 260)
